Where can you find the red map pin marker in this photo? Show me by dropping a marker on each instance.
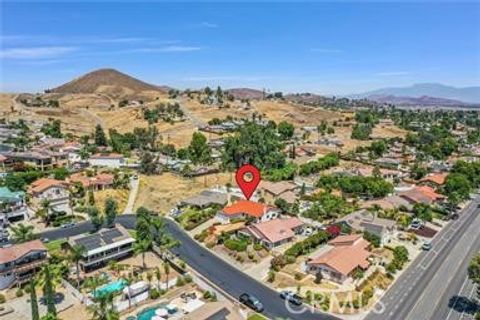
(248, 187)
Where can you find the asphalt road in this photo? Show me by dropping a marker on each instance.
(420, 292)
(222, 274)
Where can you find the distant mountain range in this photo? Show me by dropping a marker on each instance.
(118, 84)
(424, 94)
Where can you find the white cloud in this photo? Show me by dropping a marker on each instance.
(392, 73)
(167, 49)
(209, 25)
(326, 50)
(34, 52)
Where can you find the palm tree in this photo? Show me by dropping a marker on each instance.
(22, 233)
(103, 308)
(158, 276)
(47, 277)
(44, 212)
(34, 301)
(149, 278)
(77, 252)
(166, 268)
(93, 283)
(141, 247)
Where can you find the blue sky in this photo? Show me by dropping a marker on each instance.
(328, 48)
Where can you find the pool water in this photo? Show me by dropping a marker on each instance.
(111, 287)
(148, 314)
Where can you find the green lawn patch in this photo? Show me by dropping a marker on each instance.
(55, 245)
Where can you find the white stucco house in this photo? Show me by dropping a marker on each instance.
(110, 160)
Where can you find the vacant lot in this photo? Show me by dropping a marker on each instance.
(119, 195)
(297, 114)
(162, 192)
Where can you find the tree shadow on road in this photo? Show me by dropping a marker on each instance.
(463, 304)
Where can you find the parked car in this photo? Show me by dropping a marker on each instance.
(45, 240)
(68, 225)
(416, 224)
(251, 302)
(426, 246)
(291, 297)
(454, 216)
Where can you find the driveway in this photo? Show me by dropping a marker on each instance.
(134, 183)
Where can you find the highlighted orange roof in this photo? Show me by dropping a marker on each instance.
(247, 207)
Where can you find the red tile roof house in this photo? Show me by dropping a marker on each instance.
(111, 160)
(274, 233)
(99, 182)
(422, 194)
(270, 191)
(244, 208)
(338, 264)
(434, 180)
(19, 262)
(51, 189)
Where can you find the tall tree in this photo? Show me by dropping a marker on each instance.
(147, 163)
(99, 136)
(166, 269)
(49, 289)
(22, 233)
(95, 217)
(142, 247)
(285, 130)
(76, 254)
(158, 276)
(103, 308)
(34, 301)
(111, 211)
(199, 151)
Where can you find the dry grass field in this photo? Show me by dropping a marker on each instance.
(298, 115)
(119, 195)
(162, 192)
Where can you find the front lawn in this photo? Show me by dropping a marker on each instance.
(192, 218)
(55, 245)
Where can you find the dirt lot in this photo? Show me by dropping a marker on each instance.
(119, 195)
(162, 192)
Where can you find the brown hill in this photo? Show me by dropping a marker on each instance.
(106, 81)
(246, 93)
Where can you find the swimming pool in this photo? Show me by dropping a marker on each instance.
(111, 287)
(148, 313)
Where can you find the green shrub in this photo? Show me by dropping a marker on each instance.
(154, 294)
(271, 276)
(188, 278)
(257, 247)
(19, 293)
(238, 245)
(180, 282)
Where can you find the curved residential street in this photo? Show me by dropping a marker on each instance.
(222, 274)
